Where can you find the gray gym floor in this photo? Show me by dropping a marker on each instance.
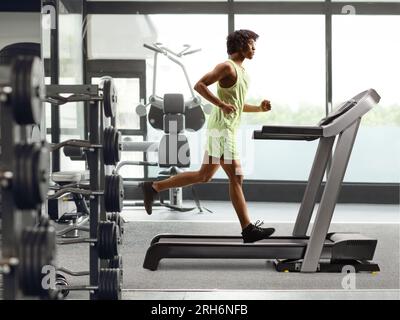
(244, 279)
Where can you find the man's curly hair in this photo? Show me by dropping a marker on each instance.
(239, 39)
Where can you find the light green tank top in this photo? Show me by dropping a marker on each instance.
(234, 95)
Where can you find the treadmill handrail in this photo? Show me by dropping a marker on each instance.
(340, 121)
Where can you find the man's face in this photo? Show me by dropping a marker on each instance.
(250, 50)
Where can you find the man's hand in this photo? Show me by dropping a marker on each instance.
(227, 108)
(265, 105)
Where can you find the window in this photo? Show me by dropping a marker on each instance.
(289, 70)
(366, 55)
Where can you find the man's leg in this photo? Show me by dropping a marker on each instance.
(234, 172)
(206, 172)
(250, 232)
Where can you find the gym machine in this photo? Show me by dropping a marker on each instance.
(172, 115)
(321, 251)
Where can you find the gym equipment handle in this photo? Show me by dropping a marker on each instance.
(153, 48)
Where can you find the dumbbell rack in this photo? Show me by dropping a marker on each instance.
(96, 162)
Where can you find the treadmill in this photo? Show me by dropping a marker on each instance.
(320, 251)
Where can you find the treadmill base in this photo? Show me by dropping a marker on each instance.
(338, 266)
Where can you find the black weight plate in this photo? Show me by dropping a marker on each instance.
(17, 83)
(41, 260)
(24, 250)
(117, 146)
(22, 190)
(120, 190)
(106, 147)
(106, 240)
(111, 146)
(103, 291)
(116, 217)
(48, 247)
(113, 193)
(28, 178)
(29, 183)
(40, 169)
(109, 284)
(28, 90)
(107, 196)
(17, 178)
(30, 263)
(114, 240)
(101, 243)
(115, 284)
(116, 263)
(110, 187)
(107, 150)
(109, 98)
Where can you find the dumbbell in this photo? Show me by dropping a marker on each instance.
(107, 240)
(29, 179)
(109, 287)
(113, 193)
(112, 145)
(108, 95)
(22, 88)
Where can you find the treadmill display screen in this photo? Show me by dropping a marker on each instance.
(343, 108)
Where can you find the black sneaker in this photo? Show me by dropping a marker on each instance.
(253, 232)
(149, 194)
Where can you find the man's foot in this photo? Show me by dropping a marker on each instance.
(149, 194)
(253, 232)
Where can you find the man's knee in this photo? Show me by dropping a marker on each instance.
(236, 179)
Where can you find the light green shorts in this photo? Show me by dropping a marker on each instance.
(222, 143)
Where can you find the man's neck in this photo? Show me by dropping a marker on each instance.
(237, 58)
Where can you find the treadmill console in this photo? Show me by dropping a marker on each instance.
(342, 109)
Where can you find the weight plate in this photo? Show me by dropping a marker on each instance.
(107, 240)
(121, 194)
(117, 146)
(106, 147)
(114, 240)
(40, 169)
(30, 184)
(109, 98)
(109, 284)
(111, 146)
(116, 217)
(38, 259)
(24, 274)
(28, 89)
(29, 189)
(113, 193)
(108, 202)
(115, 263)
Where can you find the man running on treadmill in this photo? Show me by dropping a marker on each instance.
(221, 149)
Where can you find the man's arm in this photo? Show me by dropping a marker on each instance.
(265, 105)
(221, 71)
(251, 108)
